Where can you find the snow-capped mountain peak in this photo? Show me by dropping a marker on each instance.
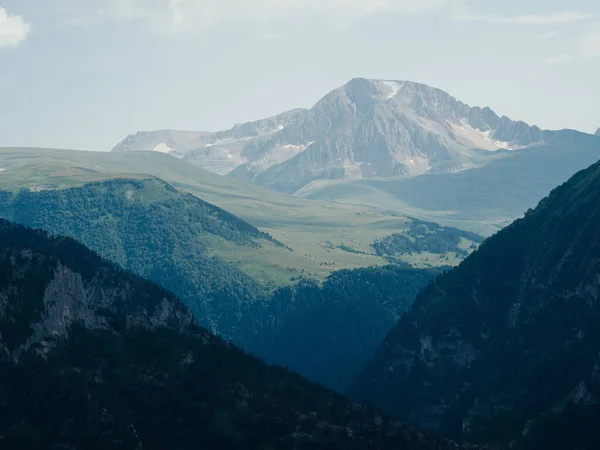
(364, 129)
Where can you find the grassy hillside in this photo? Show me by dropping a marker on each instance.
(320, 233)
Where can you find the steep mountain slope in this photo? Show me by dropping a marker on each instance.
(172, 239)
(386, 129)
(94, 358)
(505, 347)
(598, 132)
(365, 129)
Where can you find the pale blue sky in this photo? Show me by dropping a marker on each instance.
(85, 73)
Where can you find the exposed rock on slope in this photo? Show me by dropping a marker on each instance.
(49, 285)
(219, 152)
(505, 347)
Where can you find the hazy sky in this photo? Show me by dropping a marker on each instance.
(86, 73)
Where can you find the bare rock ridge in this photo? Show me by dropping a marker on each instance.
(505, 347)
(365, 129)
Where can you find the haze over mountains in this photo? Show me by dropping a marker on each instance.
(387, 144)
(501, 350)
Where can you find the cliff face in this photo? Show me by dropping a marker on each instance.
(505, 347)
(42, 296)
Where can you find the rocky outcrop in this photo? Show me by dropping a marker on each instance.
(505, 347)
(49, 296)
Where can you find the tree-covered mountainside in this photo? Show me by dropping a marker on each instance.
(505, 347)
(92, 357)
(428, 237)
(329, 332)
(326, 333)
(155, 231)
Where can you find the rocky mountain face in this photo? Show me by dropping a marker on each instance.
(505, 347)
(94, 358)
(365, 129)
(598, 132)
(219, 152)
(50, 285)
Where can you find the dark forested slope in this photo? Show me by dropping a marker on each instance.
(505, 347)
(329, 332)
(94, 358)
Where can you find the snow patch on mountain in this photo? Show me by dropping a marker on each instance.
(394, 88)
(163, 148)
(478, 139)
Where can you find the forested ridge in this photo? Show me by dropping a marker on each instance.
(326, 332)
(427, 237)
(107, 360)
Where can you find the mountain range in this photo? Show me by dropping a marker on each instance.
(157, 302)
(504, 348)
(381, 143)
(365, 129)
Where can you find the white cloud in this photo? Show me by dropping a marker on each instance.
(199, 15)
(590, 41)
(13, 29)
(559, 59)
